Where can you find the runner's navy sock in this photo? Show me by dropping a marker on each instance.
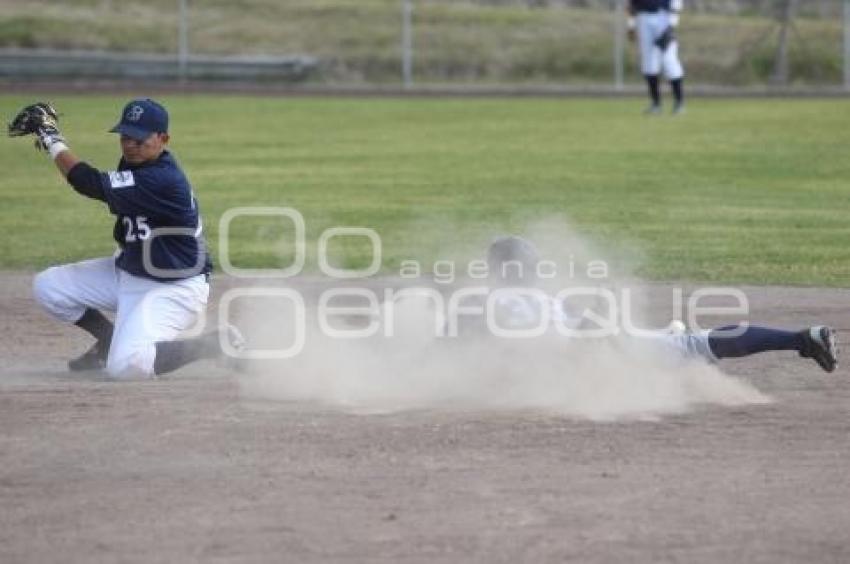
(751, 340)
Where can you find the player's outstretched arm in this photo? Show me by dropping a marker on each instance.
(84, 178)
(64, 159)
(42, 121)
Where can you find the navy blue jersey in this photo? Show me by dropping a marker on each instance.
(649, 5)
(145, 198)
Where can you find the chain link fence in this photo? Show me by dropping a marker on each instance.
(457, 43)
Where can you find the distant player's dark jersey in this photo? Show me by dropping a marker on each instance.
(650, 5)
(145, 198)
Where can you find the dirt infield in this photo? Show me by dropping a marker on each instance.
(188, 469)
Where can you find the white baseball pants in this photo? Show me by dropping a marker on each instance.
(685, 345)
(649, 28)
(146, 311)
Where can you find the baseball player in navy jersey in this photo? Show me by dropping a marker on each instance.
(512, 263)
(655, 22)
(157, 282)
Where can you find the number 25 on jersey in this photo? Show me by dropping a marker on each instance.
(136, 228)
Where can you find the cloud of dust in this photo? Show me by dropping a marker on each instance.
(610, 378)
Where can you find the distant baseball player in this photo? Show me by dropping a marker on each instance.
(157, 282)
(512, 263)
(655, 22)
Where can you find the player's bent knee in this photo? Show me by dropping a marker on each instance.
(46, 287)
(134, 363)
(42, 284)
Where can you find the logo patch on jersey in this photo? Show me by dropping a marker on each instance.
(135, 113)
(121, 179)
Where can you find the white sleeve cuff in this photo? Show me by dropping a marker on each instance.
(56, 148)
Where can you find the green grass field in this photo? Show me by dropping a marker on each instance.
(734, 191)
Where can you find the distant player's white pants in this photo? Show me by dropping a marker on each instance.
(685, 345)
(652, 60)
(146, 311)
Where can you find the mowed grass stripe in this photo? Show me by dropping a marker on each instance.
(735, 191)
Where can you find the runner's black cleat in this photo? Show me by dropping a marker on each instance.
(821, 345)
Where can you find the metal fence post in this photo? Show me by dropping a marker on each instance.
(183, 40)
(407, 42)
(847, 44)
(619, 14)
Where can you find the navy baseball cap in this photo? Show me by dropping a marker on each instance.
(140, 118)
